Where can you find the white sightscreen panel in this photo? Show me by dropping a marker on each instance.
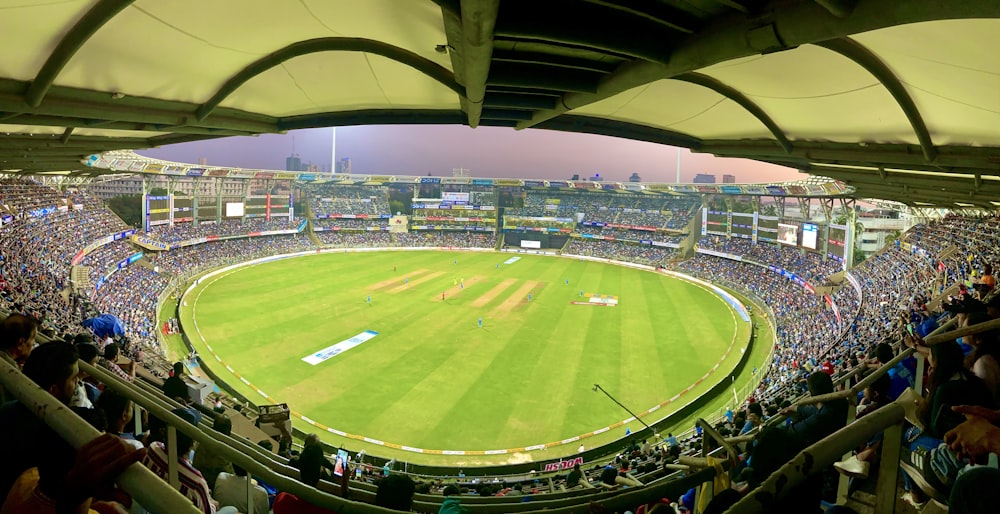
(234, 209)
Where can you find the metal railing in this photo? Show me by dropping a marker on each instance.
(141, 483)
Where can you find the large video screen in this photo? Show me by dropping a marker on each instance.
(809, 232)
(788, 234)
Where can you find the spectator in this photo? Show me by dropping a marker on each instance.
(17, 338)
(231, 489)
(110, 363)
(118, 412)
(208, 461)
(174, 386)
(312, 461)
(192, 482)
(452, 501)
(395, 492)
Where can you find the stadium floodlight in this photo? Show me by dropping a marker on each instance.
(597, 387)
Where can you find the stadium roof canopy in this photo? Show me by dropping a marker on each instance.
(900, 99)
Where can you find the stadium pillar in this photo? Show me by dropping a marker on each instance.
(145, 203)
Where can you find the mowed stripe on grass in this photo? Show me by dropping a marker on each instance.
(395, 280)
(520, 295)
(488, 296)
(415, 283)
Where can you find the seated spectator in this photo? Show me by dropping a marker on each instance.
(755, 416)
(452, 501)
(88, 387)
(174, 386)
(814, 422)
(210, 463)
(395, 492)
(231, 489)
(54, 368)
(574, 477)
(312, 461)
(17, 338)
(110, 362)
(192, 482)
(118, 412)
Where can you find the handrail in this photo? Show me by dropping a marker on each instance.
(245, 461)
(280, 475)
(141, 483)
(818, 457)
(860, 386)
(938, 338)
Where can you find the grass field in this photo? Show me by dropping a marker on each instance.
(432, 378)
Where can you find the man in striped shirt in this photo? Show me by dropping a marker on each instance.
(192, 483)
(110, 363)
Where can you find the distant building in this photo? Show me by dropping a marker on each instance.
(596, 178)
(293, 163)
(343, 165)
(704, 178)
(635, 177)
(203, 161)
(729, 179)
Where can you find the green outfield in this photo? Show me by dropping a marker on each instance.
(432, 378)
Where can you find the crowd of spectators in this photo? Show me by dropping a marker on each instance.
(620, 251)
(341, 199)
(349, 223)
(189, 259)
(810, 266)
(227, 227)
(106, 257)
(661, 212)
(130, 294)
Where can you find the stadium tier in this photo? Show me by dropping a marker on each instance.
(68, 259)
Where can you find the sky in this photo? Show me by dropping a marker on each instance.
(484, 151)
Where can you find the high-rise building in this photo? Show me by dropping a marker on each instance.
(293, 163)
(635, 177)
(704, 178)
(343, 165)
(729, 179)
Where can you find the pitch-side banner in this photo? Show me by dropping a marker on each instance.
(341, 347)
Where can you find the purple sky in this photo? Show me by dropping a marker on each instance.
(485, 151)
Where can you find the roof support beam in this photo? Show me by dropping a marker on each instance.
(838, 8)
(866, 59)
(744, 102)
(744, 35)
(660, 14)
(65, 136)
(330, 44)
(478, 20)
(542, 77)
(950, 159)
(77, 36)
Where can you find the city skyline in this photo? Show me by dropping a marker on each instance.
(485, 152)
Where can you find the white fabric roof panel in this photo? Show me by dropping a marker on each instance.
(31, 29)
(340, 81)
(162, 50)
(815, 94)
(702, 112)
(951, 68)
